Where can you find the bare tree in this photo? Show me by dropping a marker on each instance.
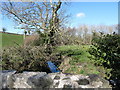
(45, 17)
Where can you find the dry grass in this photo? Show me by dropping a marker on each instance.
(29, 40)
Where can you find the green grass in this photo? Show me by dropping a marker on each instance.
(80, 62)
(11, 40)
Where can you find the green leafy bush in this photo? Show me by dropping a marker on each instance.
(106, 50)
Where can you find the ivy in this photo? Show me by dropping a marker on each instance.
(106, 50)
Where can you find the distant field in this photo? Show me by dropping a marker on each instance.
(10, 39)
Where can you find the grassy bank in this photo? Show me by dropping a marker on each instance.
(11, 39)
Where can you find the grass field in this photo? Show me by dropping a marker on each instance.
(8, 40)
(80, 62)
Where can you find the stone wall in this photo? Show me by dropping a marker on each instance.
(11, 79)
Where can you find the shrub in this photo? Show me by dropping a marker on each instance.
(27, 59)
(41, 39)
(106, 50)
(59, 39)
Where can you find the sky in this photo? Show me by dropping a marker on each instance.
(94, 13)
(90, 13)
